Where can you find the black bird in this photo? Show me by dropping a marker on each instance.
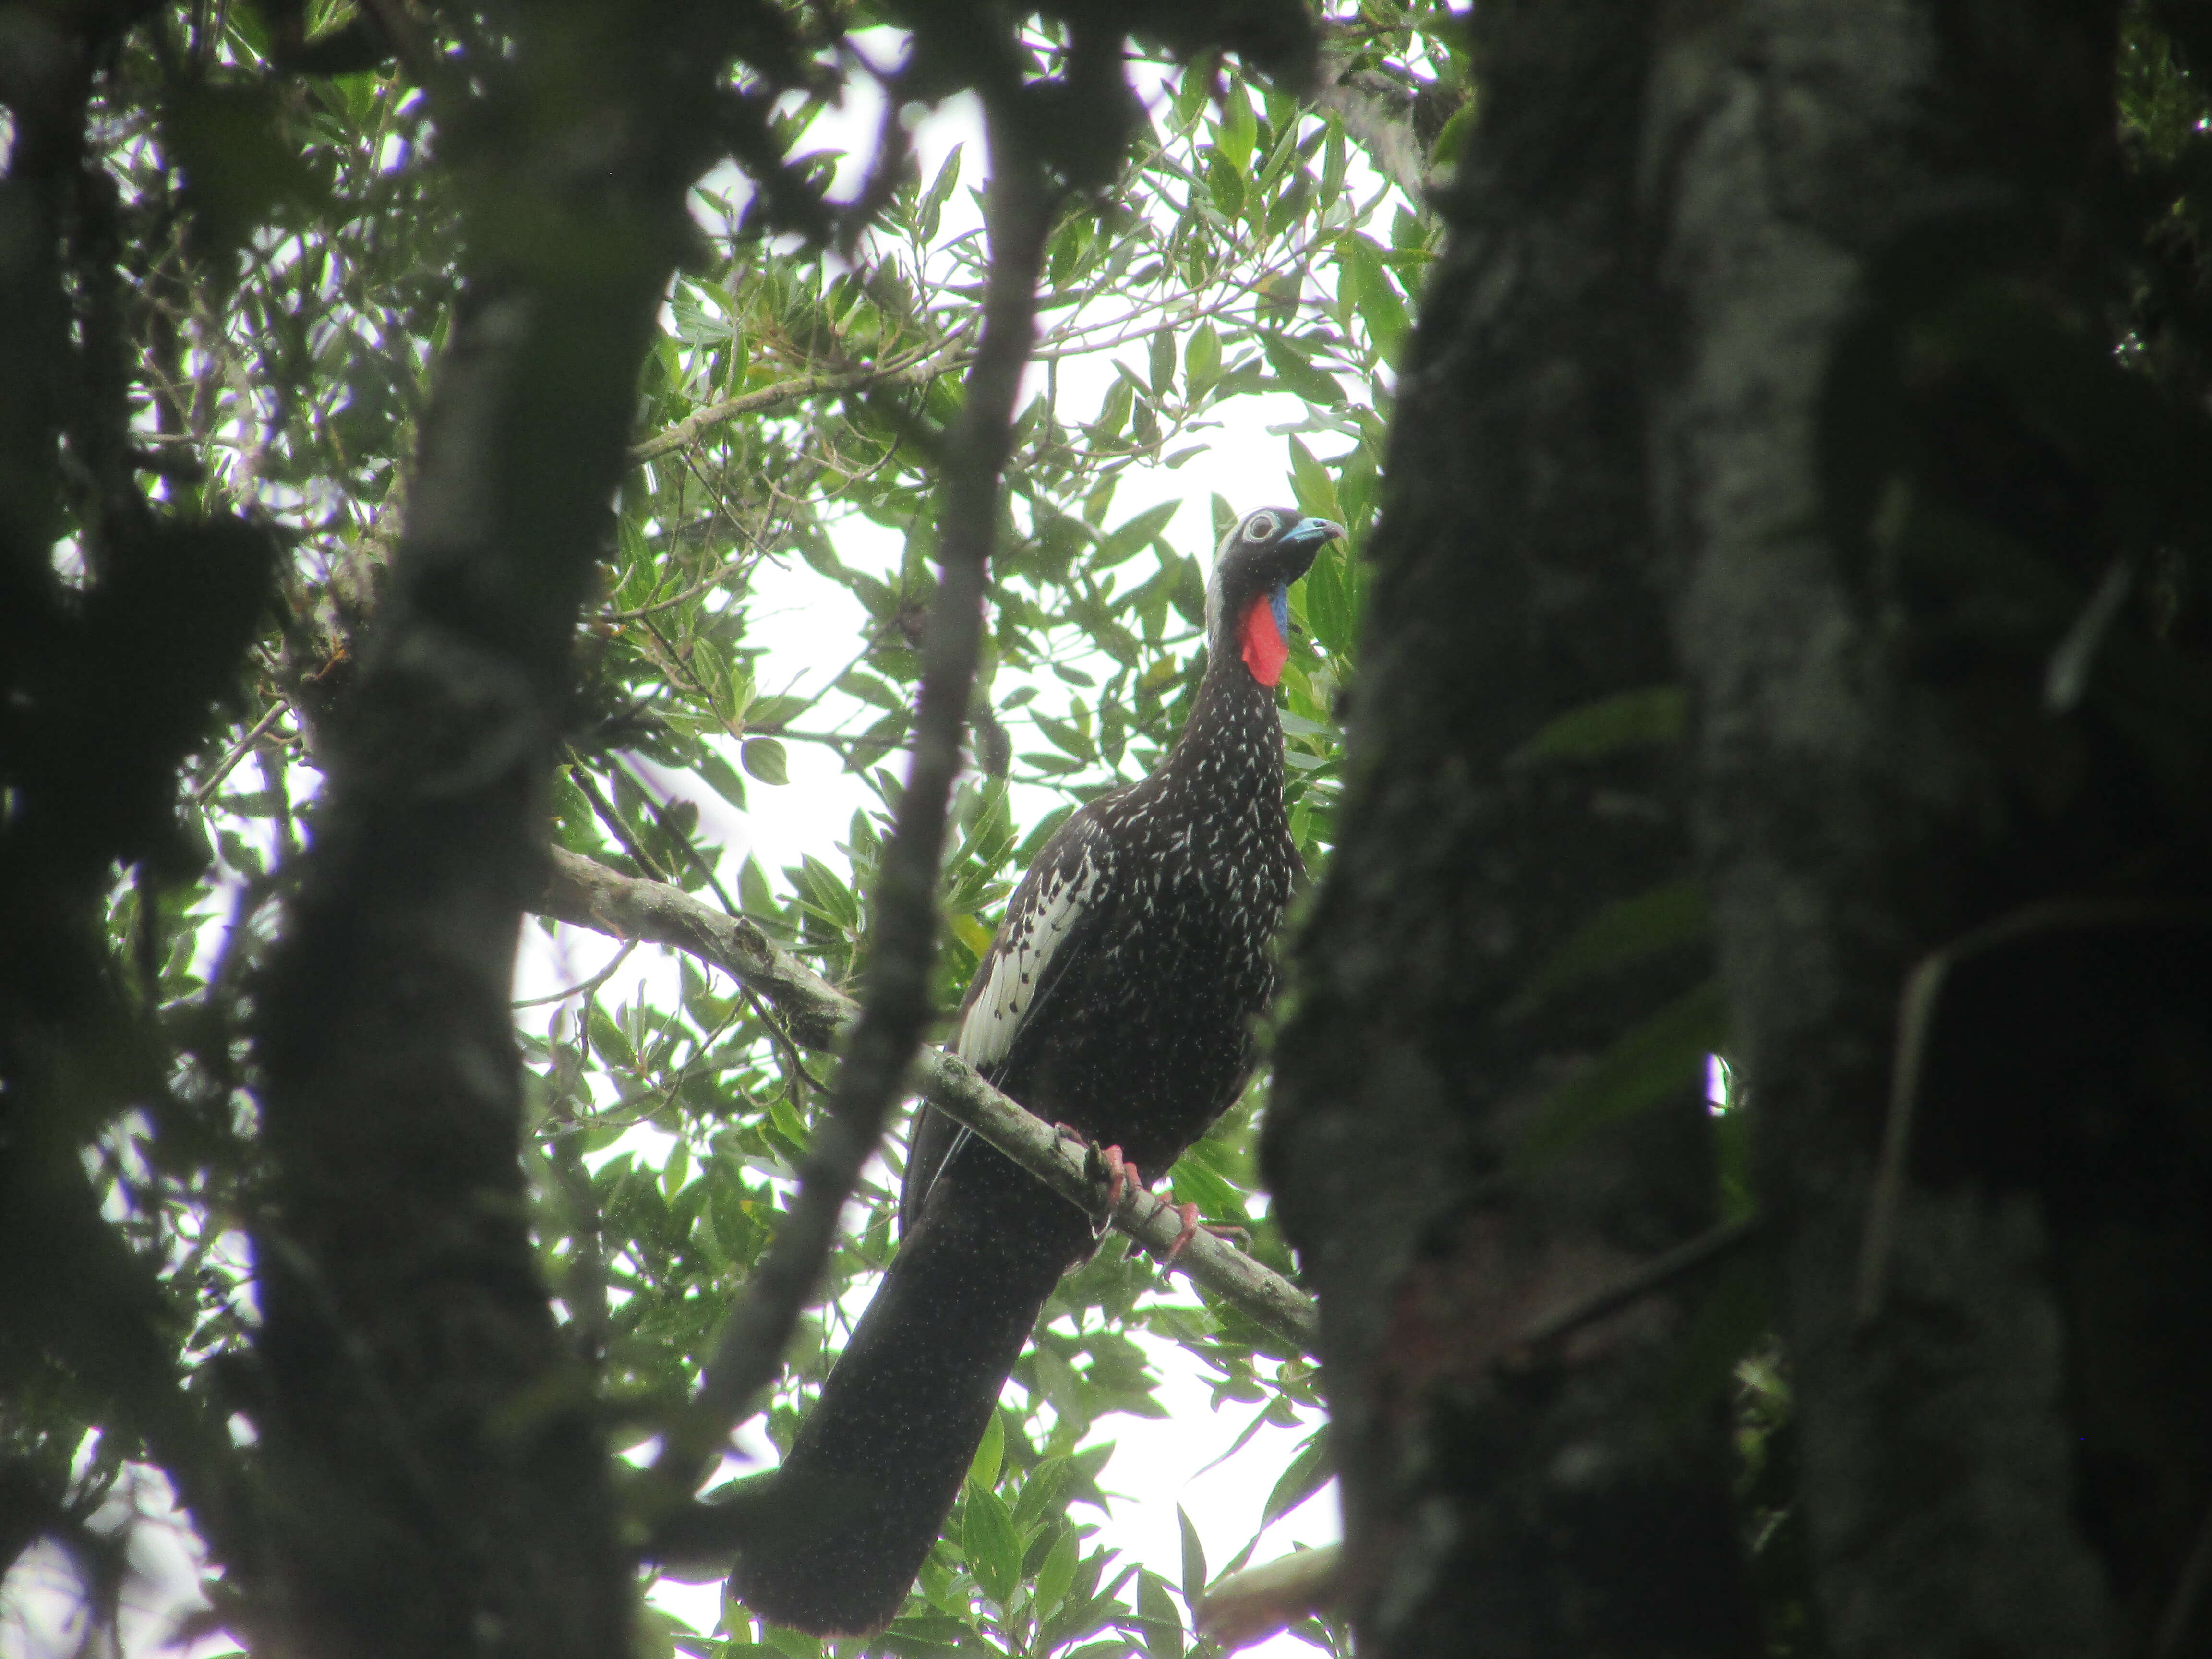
(1117, 999)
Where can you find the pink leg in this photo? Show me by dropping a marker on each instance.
(1188, 1215)
(1120, 1173)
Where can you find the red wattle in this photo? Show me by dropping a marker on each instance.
(1265, 653)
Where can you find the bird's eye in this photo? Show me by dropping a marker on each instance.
(1259, 527)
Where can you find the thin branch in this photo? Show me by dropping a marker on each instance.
(1662, 1270)
(660, 816)
(582, 987)
(588, 894)
(1916, 1017)
(688, 430)
(581, 775)
(735, 567)
(884, 1039)
(238, 752)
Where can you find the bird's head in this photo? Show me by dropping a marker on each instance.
(1248, 602)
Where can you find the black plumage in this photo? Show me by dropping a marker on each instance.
(1117, 999)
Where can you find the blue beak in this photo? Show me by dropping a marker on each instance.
(1311, 533)
(1301, 541)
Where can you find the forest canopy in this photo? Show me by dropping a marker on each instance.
(712, 486)
(262, 247)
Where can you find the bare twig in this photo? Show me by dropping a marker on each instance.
(582, 987)
(814, 1011)
(660, 815)
(1661, 1271)
(1917, 1004)
(896, 1008)
(238, 752)
(688, 430)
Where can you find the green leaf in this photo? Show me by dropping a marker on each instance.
(1658, 1057)
(1202, 361)
(991, 1546)
(1161, 1623)
(1308, 1471)
(1328, 603)
(1309, 481)
(1058, 1572)
(1226, 186)
(1379, 305)
(984, 1470)
(934, 198)
(764, 758)
(1314, 385)
(1193, 1183)
(721, 777)
(820, 887)
(1238, 129)
(1134, 536)
(1066, 737)
(771, 712)
(1193, 1560)
(782, 1113)
(1647, 718)
(1163, 363)
(868, 688)
(608, 1040)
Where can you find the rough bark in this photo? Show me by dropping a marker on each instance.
(439, 1475)
(1878, 778)
(1501, 1500)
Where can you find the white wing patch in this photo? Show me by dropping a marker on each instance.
(1025, 950)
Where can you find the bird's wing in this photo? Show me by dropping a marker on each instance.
(1050, 914)
(1053, 914)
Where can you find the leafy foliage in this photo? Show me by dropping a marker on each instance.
(283, 262)
(270, 253)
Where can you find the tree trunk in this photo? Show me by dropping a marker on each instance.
(439, 1471)
(1447, 1143)
(1995, 1259)
(1772, 359)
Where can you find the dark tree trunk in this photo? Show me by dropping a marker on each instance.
(1440, 1143)
(1882, 534)
(1772, 358)
(439, 1475)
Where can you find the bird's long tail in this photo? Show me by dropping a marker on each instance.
(867, 1486)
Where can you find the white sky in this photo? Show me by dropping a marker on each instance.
(813, 628)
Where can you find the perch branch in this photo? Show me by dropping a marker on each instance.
(590, 895)
(688, 430)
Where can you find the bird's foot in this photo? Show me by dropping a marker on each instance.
(1119, 1174)
(1188, 1215)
